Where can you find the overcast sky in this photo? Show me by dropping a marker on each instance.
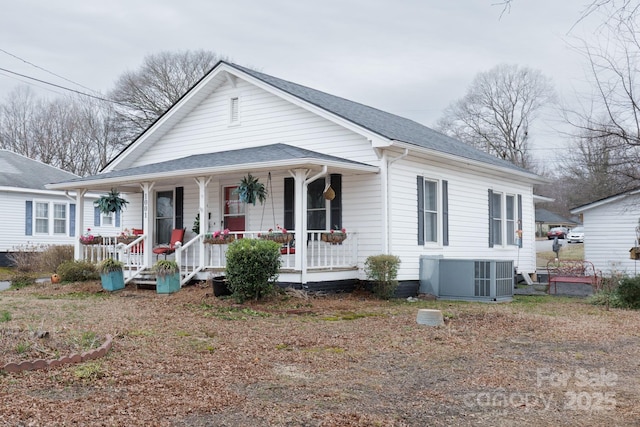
(408, 57)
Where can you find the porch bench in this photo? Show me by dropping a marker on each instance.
(572, 271)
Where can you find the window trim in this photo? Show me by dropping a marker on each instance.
(508, 237)
(441, 211)
(51, 218)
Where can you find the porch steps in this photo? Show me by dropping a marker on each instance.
(146, 280)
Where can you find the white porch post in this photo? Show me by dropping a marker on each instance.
(202, 211)
(148, 213)
(79, 230)
(300, 214)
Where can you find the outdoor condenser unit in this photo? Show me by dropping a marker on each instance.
(473, 280)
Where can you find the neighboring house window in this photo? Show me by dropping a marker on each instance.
(107, 219)
(42, 218)
(59, 218)
(433, 211)
(234, 110)
(505, 218)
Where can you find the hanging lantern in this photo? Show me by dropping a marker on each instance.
(329, 194)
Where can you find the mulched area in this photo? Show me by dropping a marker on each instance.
(190, 359)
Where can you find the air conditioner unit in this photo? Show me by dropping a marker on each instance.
(468, 279)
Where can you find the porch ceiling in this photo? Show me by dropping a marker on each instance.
(269, 157)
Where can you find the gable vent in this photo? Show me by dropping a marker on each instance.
(234, 115)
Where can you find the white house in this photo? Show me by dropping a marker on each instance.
(610, 232)
(400, 187)
(34, 216)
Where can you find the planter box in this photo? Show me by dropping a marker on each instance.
(168, 284)
(112, 281)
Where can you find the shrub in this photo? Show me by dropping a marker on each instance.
(77, 271)
(629, 291)
(21, 280)
(54, 255)
(252, 268)
(25, 257)
(383, 270)
(109, 265)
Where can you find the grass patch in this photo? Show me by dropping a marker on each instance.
(89, 371)
(232, 313)
(5, 316)
(574, 251)
(348, 316)
(74, 296)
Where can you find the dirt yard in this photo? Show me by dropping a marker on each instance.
(189, 359)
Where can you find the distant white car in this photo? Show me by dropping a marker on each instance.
(576, 235)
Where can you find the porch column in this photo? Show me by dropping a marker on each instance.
(203, 212)
(300, 218)
(148, 213)
(79, 229)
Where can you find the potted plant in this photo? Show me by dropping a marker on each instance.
(220, 237)
(334, 236)
(111, 202)
(251, 190)
(280, 235)
(111, 274)
(167, 276)
(90, 239)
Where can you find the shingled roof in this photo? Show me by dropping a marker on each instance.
(22, 172)
(385, 124)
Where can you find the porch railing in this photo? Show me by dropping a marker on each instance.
(320, 254)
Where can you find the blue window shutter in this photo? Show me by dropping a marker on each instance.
(96, 217)
(520, 217)
(72, 219)
(28, 218)
(420, 185)
(445, 213)
(490, 218)
(117, 218)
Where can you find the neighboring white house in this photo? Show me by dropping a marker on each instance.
(400, 187)
(610, 232)
(32, 215)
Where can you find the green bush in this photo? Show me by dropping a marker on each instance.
(629, 291)
(252, 268)
(77, 271)
(21, 280)
(383, 270)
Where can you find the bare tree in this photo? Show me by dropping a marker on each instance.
(496, 113)
(73, 133)
(145, 94)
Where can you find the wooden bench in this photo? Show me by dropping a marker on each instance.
(572, 271)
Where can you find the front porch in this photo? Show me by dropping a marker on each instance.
(316, 261)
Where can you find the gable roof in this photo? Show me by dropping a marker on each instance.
(385, 124)
(265, 156)
(19, 171)
(605, 201)
(547, 217)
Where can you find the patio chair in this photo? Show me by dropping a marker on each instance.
(177, 234)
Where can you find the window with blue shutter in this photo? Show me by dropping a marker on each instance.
(28, 218)
(72, 219)
(96, 216)
(490, 218)
(420, 186)
(445, 213)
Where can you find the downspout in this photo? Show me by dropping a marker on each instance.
(386, 203)
(323, 172)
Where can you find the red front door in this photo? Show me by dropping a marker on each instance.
(233, 215)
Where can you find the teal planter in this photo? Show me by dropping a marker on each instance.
(168, 284)
(112, 281)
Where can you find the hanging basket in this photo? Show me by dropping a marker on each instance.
(333, 238)
(94, 240)
(219, 240)
(126, 239)
(329, 193)
(278, 237)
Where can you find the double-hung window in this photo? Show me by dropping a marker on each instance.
(505, 218)
(59, 218)
(42, 218)
(432, 211)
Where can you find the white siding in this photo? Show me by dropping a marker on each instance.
(610, 233)
(468, 217)
(264, 119)
(13, 229)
